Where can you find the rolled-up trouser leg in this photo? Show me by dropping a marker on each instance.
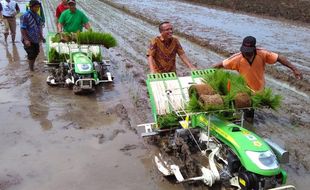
(6, 29)
(249, 115)
(31, 64)
(12, 25)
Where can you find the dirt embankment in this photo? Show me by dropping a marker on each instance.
(288, 9)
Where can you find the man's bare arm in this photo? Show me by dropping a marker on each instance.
(87, 26)
(283, 60)
(218, 65)
(59, 27)
(150, 60)
(187, 62)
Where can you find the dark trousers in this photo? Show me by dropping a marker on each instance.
(249, 115)
(32, 51)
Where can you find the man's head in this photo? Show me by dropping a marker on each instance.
(72, 5)
(166, 30)
(65, 2)
(248, 45)
(34, 5)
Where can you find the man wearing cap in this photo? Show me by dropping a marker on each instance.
(8, 10)
(72, 19)
(40, 13)
(31, 30)
(251, 62)
(163, 49)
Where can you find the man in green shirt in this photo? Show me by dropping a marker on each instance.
(72, 19)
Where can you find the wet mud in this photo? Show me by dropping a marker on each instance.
(216, 30)
(294, 10)
(53, 139)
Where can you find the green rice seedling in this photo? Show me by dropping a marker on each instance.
(56, 38)
(193, 105)
(168, 121)
(266, 98)
(55, 57)
(219, 80)
(89, 37)
(97, 57)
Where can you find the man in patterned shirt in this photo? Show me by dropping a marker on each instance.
(31, 30)
(162, 51)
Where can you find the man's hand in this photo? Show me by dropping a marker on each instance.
(297, 74)
(192, 67)
(27, 43)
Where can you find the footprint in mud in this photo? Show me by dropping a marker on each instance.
(9, 180)
(115, 133)
(128, 65)
(142, 81)
(101, 138)
(127, 148)
(122, 112)
(136, 74)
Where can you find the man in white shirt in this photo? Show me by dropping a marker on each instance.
(8, 10)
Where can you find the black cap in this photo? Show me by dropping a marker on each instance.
(248, 44)
(33, 3)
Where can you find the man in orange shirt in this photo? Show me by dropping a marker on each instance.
(162, 51)
(251, 62)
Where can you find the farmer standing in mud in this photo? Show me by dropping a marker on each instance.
(8, 10)
(61, 8)
(40, 13)
(251, 62)
(162, 51)
(72, 19)
(31, 30)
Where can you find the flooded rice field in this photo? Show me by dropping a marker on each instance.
(53, 139)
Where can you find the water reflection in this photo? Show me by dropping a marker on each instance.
(13, 55)
(38, 105)
(38, 95)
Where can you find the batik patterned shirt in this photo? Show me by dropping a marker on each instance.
(164, 53)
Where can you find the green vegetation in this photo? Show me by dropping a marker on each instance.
(168, 120)
(226, 83)
(55, 57)
(88, 37)
(267, 99)
(234, 92)
(223, 93)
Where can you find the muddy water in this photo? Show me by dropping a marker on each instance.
(55, 140)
